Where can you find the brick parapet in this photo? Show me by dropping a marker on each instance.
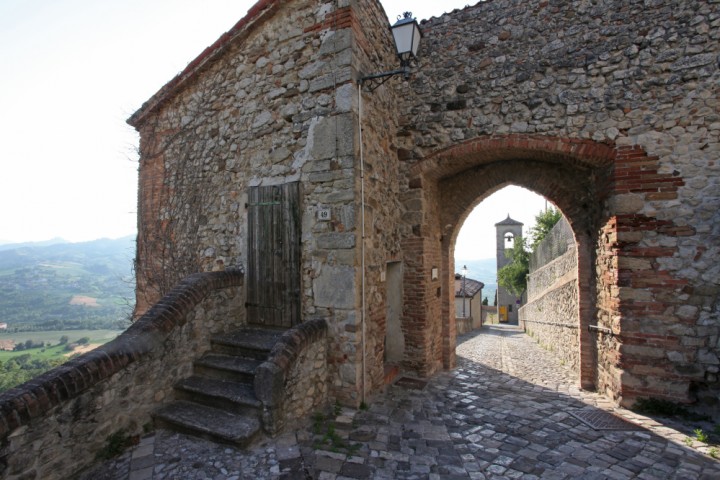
(96, 377)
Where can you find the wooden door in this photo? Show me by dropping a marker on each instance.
(273, 292)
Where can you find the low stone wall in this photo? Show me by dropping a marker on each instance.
(551, 313)
(489, 315)
(463, 325)
(293, 382)
(55, 425)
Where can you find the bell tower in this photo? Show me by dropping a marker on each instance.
(507, 233)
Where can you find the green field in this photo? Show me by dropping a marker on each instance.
(53, 336)
(17, 367)
(52, 339)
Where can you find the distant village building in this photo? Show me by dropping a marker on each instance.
(468, 303)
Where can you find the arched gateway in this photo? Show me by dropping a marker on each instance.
(572, 174)
(611, 111)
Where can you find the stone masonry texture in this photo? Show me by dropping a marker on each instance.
(54, 425)
(609, 110)
(504, 413)
(551, 312)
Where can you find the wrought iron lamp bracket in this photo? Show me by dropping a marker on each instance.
(371, 82)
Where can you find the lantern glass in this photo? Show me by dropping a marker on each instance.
(406, 33)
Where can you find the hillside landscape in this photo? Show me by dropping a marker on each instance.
(65, 286)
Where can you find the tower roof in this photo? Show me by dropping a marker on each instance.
(508, 221)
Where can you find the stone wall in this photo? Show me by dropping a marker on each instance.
(558, 240)
(307, 385)
(551, 314)
(272, 101)
(293, 381)
(611, 111)
(377, 186)
(53, 426)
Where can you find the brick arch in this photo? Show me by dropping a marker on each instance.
(571, 173)
(571, 188)
(459, 157)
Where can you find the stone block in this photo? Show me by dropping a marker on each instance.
(332, 136)
(332, 241)
(335, 287)
(707, 357)
(336, 41)
(628, 203)
(634, 263)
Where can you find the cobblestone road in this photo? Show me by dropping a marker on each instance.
(507, 411)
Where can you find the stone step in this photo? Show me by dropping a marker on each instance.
(249, 342)
(210, 423)
(235, 397)
(227, 367)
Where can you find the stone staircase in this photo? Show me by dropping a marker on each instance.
(218, 401)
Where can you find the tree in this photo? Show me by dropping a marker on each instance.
(544, 222)
(513, 276)
(485, 301)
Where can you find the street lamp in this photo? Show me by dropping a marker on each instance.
(407, 35)
(464, 275)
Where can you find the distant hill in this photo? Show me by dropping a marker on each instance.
(484, 270)
(12, 246)
(66, 285)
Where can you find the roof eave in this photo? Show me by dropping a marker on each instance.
(259, 12)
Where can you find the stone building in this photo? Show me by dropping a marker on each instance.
(507, 232)
(468, 303)
(342, 205)
(614, 121)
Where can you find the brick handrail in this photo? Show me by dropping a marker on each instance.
(36, 398)
(271, 375)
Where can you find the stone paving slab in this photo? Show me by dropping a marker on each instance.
(503, 413)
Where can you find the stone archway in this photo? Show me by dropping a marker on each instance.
(571, 173)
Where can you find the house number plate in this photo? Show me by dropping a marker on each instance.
(324, 214)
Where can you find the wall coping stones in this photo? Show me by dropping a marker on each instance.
(37, 398)
(270, 375)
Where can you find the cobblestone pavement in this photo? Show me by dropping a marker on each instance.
(504, 412)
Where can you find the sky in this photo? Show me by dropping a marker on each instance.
(73, 72)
